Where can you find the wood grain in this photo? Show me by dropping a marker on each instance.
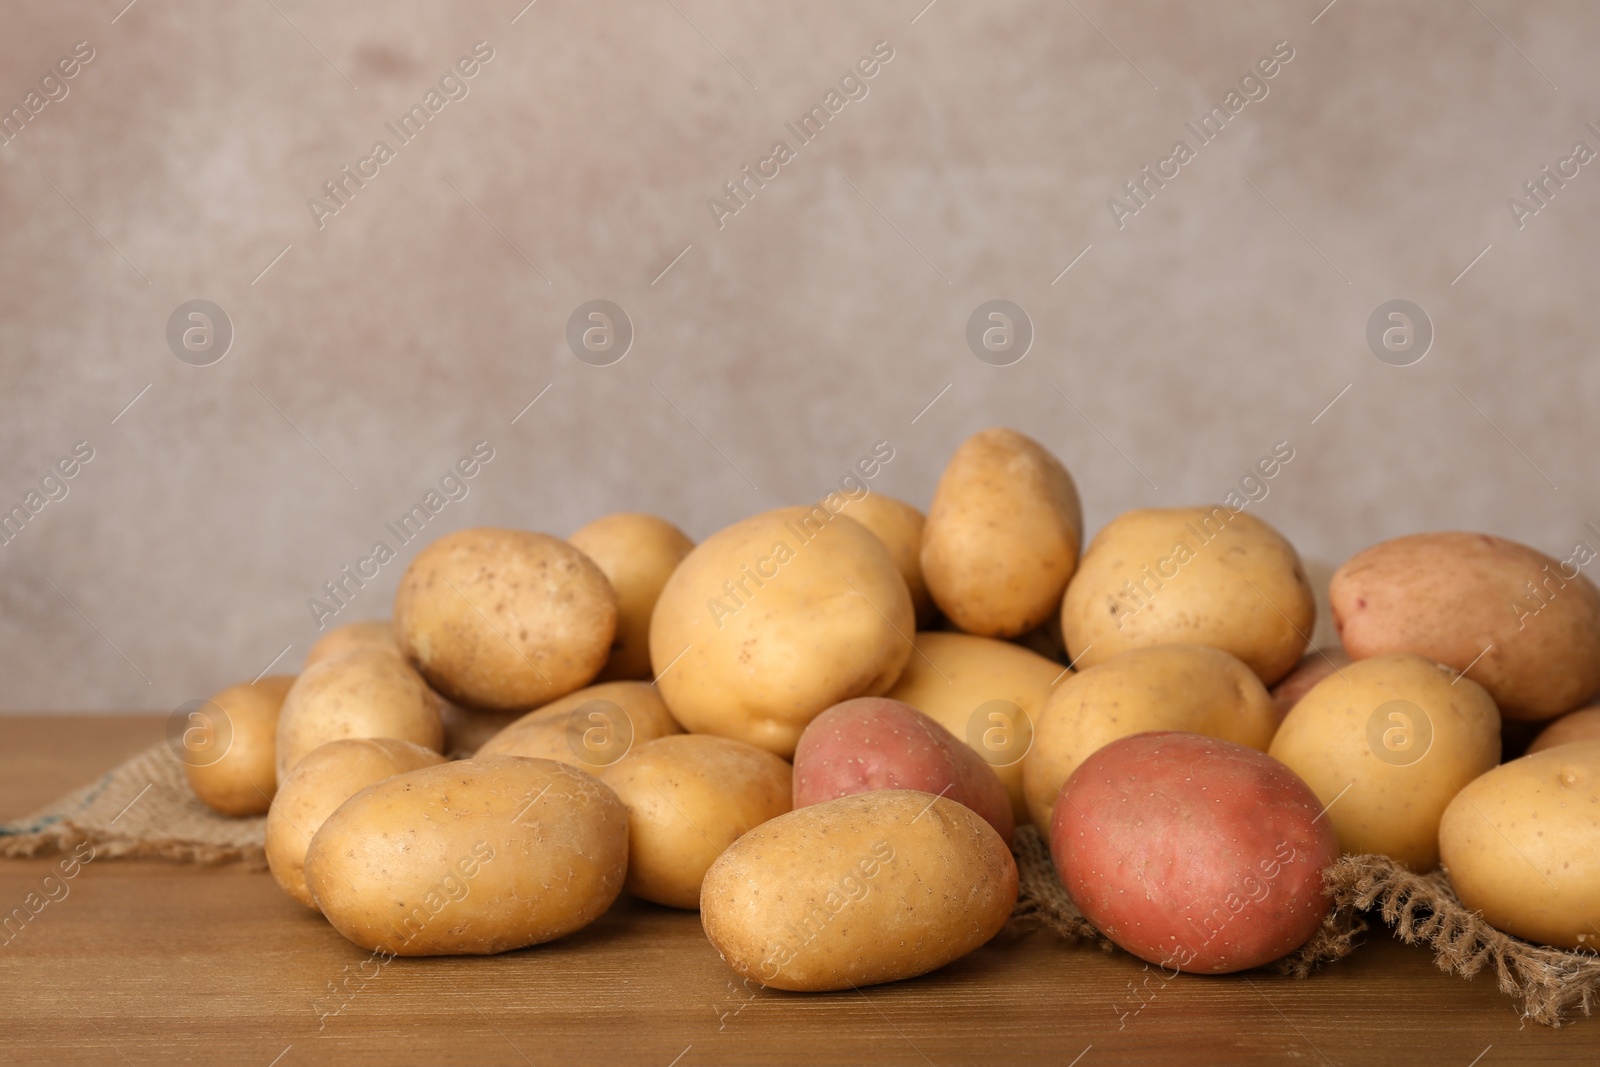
(147, 963)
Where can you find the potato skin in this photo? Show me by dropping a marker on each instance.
(776, 618)
(899, 526)
(470, 858)
(1193, 853)
(868, 888)
(1383, 798)
(363, 692)
(504, 619)
(1522, 845)
(1580, 725)
(369, 633)
(1194, 688)
(689, 797)
(590, 729)
(1449, 596)
(243, 779)
(876, 743)
(330, 775)
(637, 553)
(1003, 534)
(1191, 575)
(1312, 668)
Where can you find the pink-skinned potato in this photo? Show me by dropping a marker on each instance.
(1193, 853)
(871, 743)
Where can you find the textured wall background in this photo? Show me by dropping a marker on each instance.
(826, 315)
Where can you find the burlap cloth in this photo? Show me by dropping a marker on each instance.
(145, 809)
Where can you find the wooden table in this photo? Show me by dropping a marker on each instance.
(156, 963)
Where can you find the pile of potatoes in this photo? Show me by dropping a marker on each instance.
(823, 727)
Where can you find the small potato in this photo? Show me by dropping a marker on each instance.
(241, 778)
(986, 692)
(373, 633)
(469, 858)
(1193, 688)
(899, 526)
(1003, 534)
(1200, 576)
(637, 553)
(590, 729)
(330, 775)
(364, 692)
(1193, 853)
(876, 743)
(867, 888)
(1522, 846)
(504, 619)
(1580, 725)
(773, 620)
(688, 798)
(1387, 743)
(1312, 668)
(1524, 626)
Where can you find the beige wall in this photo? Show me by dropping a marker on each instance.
(824, 316)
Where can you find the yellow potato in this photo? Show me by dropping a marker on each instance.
(689, 797)
(1199, 576)
(330, 775)
(373, 633)
(773, 620)
(1386, 744)
(466, 730)
(637, 553)
(899, 526)
(364, 692)
(1522, 846)
(1193, 688)
(590, 729)
(987, 692)
(868, 888)
(1580, 725)
(504, 619)
(1003, 534)
(471, 857)
(240, 778)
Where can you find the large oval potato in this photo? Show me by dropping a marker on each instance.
(876, 743)
(1580, 725)
(328, 776)
(986, 692)
(637, 553)
(1522, 846)
(1003, 534)
(369, 633)
(867, 888)
(1193, 688)
(1387, 743)
(899, 526)
(241, 779)
(688, 798)
(469, 858)
(590, 729)
(1199, 576)
(504, 619)
(364, 692)
(1193, 853)
(1524, 626)
(770, 621)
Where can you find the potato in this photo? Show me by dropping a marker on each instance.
(1193, 853)
(688, 798)
(637, 553)
(1527, 626)
(876, 743)
(1522, 846)
(372, 633)
(504, 619)
(466, 730)
(330, 775)
(590, 729)
(1193, 688)
(1580, 725)
(988, 693)
(365, 692)
(776, 618)
(1386, 743)
(867, 888)
(899, 526)
(228, 753)
(1201, 576)
(1312, 668)
(471, 857)
(1003, 534)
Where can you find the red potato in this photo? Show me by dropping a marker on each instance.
(1193, 853)
(871, 743)
(1312, 668)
